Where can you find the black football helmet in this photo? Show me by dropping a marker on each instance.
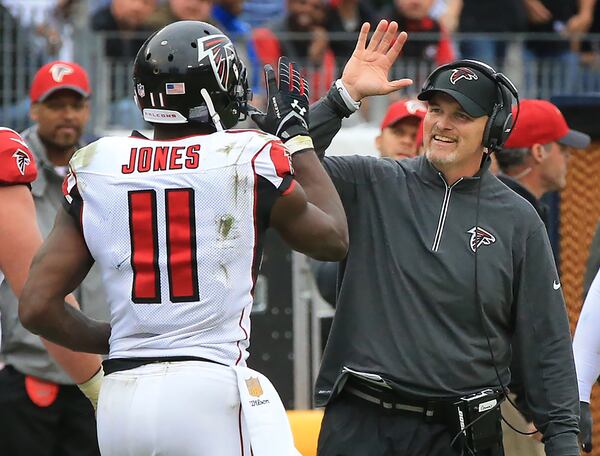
(189, 71)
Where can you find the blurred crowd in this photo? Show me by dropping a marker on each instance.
(317, 33)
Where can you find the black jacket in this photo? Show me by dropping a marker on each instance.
(410, 294)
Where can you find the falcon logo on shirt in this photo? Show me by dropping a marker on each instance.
(463, 73)
(221, 54)
(59, 71)
(480, 237)
(22, 160)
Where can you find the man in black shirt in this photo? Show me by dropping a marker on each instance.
(445, 266)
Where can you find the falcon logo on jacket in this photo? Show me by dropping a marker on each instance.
(480, 237)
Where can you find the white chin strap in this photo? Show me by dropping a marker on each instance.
(211, 110)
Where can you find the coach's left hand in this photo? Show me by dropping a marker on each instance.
(366, 73)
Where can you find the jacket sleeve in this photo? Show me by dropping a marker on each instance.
(586, 343)
(543, 347)
(326, 119)
(593, 262)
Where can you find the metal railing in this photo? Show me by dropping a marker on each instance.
(112, 99)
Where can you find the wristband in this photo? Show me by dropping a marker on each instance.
(91, 388)
(351, 104)
(298, 143)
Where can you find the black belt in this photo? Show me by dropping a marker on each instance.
(123, 364)
(388, 405)
(430, 410)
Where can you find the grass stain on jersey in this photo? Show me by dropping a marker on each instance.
(236, 184)
(84, 156)
(225, 225)
(225, 272)
(226, 149)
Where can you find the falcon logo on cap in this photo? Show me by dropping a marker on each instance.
(462, 73)
(59, 71)
(480, 237)
(22, 160)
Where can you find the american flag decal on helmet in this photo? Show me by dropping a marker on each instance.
(221, 54)
(480, 237)
(22, 160)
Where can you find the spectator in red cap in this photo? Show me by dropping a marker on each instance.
(533, 163)
(59, 104)
(535, 157)
(37, 397)
(401, 130)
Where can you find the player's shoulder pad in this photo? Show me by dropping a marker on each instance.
(257, 136)
(17, 165)
(83, 157)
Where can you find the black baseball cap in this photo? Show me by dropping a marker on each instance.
(472, 89)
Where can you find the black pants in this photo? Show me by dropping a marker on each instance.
(353, 427)
(65, 428)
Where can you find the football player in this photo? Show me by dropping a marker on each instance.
(20, 238)
(176, 224)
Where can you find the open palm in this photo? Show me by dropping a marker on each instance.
(366, 73)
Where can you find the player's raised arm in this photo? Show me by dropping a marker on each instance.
(58, 267)
(310, 217)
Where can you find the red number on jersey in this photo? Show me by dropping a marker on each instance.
(181, 246)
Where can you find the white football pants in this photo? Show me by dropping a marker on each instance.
(187, 408)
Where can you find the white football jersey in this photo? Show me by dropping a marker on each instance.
(176, 228)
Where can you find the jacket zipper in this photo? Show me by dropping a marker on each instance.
(443, 212)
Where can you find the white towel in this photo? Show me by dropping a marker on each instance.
(266, 420)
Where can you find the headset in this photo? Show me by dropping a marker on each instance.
(500, 123)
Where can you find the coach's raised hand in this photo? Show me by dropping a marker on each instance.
(366, 73)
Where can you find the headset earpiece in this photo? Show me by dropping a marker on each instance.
(490, 137)
(499, 125)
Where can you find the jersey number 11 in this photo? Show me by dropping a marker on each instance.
(182, 266)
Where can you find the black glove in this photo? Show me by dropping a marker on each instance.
(287, 106)
(585, 427)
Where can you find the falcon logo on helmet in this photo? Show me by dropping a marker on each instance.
(480, 237)
(190, 72)
(22, 160)
(221, 54)
(463, 73)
